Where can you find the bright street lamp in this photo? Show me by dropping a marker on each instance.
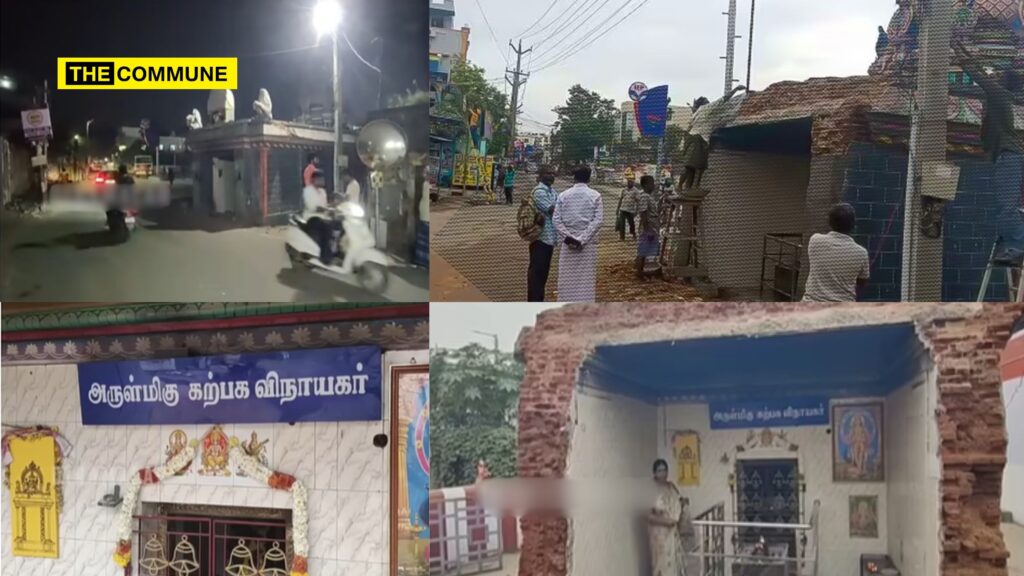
(6, 83)
(326, 19)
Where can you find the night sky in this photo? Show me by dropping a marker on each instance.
(35, 33)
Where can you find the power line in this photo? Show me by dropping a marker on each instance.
(491, 30)
(567, 55)
(552, 21)
(541, 17)
(572, 48)
(578, 27)
(356, 52)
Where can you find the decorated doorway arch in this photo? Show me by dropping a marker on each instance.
(250, 467)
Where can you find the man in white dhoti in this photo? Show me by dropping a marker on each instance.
(578, 214)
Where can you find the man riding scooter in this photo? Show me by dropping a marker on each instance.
(321, 227)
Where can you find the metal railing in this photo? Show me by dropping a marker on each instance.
(755, 558)
(464, 538)
(206, 546)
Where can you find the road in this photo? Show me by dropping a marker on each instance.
(482, 258)
(65, 253)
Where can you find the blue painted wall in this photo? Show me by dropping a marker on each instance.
(985, 206)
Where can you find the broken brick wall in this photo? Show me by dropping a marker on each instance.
(966, 352)
(972, 433)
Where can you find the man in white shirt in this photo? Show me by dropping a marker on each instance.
(577, 218)
(838, 265)
(353, 193)
(314, 202)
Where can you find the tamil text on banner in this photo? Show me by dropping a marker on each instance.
(326, 385)
(35, 496)
(775, 412)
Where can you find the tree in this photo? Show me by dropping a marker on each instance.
(586, 121)
(469, 90)
(474, 398)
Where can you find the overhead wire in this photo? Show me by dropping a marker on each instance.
(591, 35)
(573, 19)
(491, 30)
(569, 54)
(552, 21)
(539, 18)
(578, 27)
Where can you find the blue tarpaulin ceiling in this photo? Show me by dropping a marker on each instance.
(839, 363)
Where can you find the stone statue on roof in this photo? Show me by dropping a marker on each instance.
(263, 106)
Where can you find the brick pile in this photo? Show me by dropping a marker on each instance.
(965, 348)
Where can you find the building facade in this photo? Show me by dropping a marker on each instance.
(144, 487)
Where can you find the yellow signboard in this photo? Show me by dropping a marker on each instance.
(475, 173)
(34, 497)
(686, 451)
(108, 73)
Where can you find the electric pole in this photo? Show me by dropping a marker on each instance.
(518, 78)
(730, 46)
(750, 42)
(921, 279)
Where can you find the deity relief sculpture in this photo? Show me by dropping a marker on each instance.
(176, 443)
(214, 455)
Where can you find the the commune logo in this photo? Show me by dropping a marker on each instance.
(147, 73)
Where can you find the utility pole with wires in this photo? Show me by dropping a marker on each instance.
(517, 79)
(730, 47)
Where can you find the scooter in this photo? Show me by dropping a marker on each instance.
(121, 223)
(354, 244)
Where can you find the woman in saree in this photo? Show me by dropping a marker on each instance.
(663, 525)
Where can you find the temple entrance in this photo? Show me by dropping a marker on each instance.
(767, 491)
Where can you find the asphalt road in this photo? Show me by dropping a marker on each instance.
(483, 253)
(66, 254)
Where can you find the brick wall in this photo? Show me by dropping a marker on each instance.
(966, 353)
(875, 183)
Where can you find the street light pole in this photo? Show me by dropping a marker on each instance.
(326, 19)
(88, 148)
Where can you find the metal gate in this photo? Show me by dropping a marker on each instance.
(464, 538)
(207, 545)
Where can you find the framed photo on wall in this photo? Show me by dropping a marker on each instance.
(410, 467)
(857, 442)
(863, 516)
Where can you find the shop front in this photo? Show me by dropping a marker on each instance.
(831, 441)
(209, 439)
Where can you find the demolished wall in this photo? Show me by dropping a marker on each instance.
(965, 340)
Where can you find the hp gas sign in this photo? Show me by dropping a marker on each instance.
(636, 91)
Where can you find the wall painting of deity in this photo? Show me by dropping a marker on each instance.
(857, 443)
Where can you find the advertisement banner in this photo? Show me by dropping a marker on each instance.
(326, 385)
(652, 111)
(777, 412)
(36, 124)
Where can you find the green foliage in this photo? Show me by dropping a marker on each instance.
(469, 90)
(474, 395)
(585, 121)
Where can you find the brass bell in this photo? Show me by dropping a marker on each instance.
(241, 562)
(153, 560)
(275, 563)
(184, 560)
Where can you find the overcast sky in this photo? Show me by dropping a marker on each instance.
(674, 42)
(452, 325)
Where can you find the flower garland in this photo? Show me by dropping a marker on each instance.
(255, 469)
(250, 467)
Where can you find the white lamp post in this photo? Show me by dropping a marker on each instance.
(326, 19)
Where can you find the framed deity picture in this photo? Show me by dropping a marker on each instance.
(857, 443)
(863, 516)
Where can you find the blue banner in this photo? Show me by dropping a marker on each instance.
(777, 412)
(652, 111)
(327, 385)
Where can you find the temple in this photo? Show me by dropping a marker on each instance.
(782, 156)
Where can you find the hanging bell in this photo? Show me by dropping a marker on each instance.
(241, 562)
(275, 563)
(184, 560)
(153, 560)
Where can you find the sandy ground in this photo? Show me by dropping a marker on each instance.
(65, 254)
(476, 253)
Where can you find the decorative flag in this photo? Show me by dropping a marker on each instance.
(686, 452)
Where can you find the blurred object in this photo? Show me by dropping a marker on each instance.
(263, 106)
(194, 120)
(381, 144)
(220, 106)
